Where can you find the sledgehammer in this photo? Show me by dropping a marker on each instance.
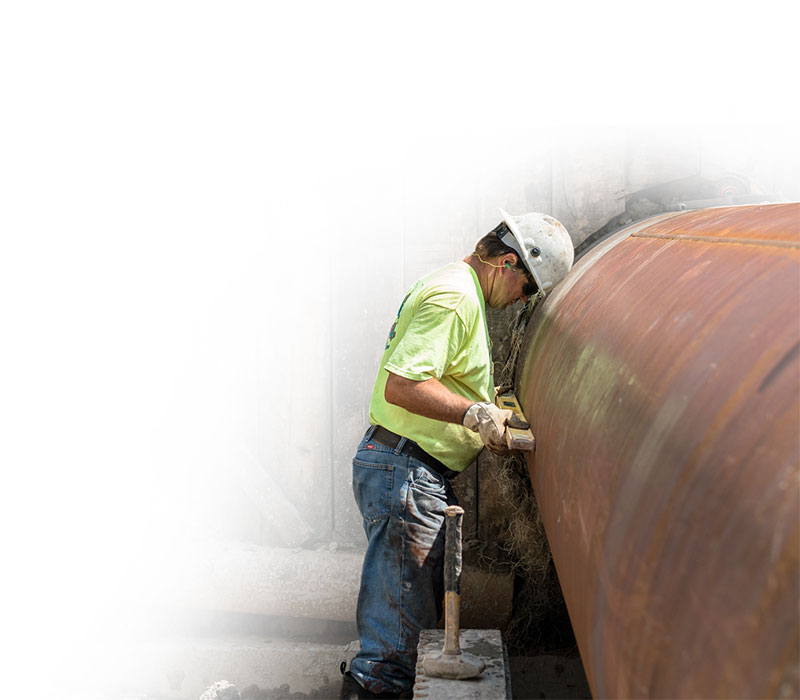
(451, 662)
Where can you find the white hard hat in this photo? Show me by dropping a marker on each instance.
(543, 244)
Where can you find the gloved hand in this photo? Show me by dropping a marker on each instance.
(490, 422)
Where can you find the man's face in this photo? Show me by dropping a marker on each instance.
(512, 286)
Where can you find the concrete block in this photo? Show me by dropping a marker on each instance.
(492, 684)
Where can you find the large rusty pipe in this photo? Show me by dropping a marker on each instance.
(662, 381)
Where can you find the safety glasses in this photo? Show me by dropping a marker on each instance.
(530, 287)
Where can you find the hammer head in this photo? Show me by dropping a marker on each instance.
(456, 666)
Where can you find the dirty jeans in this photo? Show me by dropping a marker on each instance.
(402, 503)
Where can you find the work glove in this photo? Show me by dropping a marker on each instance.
(489, 422)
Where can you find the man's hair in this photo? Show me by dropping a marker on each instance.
(490, 246)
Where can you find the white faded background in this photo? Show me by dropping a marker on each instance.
(209, 212)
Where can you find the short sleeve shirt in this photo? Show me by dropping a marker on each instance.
(440, 332)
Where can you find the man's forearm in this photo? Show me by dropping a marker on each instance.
(430, 398)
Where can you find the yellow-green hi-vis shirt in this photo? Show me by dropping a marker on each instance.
(440, 332)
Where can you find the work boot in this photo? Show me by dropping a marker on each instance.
(353, 690)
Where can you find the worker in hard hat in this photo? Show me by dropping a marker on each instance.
(431, 413)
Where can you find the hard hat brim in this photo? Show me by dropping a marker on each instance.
(519, 247)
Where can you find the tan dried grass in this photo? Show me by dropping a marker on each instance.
(537, 596)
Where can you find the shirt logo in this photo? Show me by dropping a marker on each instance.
(393, 329)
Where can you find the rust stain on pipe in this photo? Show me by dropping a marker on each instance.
(662, 381)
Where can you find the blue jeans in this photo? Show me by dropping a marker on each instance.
(402, 503)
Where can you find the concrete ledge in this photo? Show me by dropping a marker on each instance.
(268, 581)
(305, 583)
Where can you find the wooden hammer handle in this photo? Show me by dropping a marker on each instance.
(454, 516)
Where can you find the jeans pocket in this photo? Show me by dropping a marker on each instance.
(372, 488)
(429, 483)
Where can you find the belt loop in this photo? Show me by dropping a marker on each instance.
(400, 445)
(370, 431)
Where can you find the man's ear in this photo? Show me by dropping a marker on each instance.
(509, 260)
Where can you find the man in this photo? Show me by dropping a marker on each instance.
(431, 413)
